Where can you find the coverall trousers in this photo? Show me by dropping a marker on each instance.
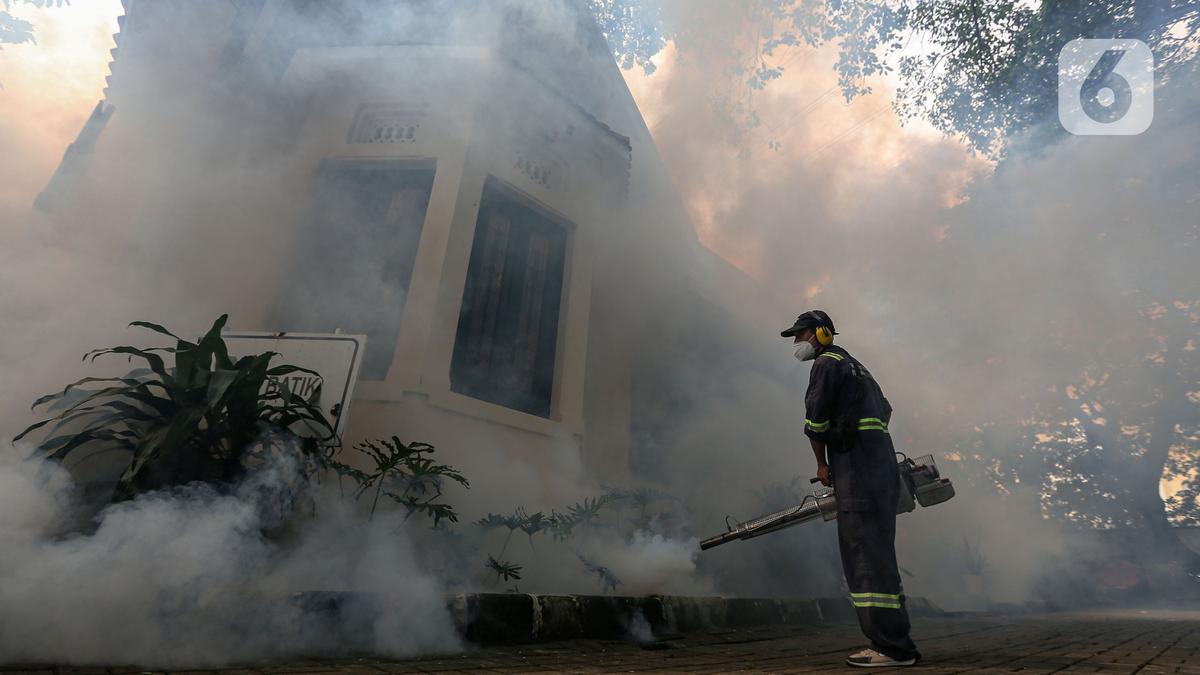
(867, 484)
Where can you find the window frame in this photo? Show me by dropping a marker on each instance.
(326, 168)
(509, 197)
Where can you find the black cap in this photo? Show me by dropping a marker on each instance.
(810, 319)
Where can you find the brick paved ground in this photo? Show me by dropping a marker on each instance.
(1151, 642)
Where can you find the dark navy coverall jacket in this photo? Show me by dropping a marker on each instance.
(845, 407)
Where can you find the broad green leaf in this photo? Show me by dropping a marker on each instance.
(101, 414)
(75, 385)
(57, 450)
(211, 343)
(279, 371)
(156, 328)
(153, 360)
(219, 384)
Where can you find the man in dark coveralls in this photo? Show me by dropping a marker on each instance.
(846, 421)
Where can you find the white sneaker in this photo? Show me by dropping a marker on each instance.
(869, 658)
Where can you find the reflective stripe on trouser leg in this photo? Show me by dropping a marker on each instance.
(882, 600)
(867, 490)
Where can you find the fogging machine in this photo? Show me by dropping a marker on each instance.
(920, 483)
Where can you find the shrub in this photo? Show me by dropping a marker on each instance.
(196, 421)
(405, 474)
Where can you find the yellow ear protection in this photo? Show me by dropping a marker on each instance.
(823, 332)
(824, 336)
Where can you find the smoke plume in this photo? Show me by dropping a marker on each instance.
(980, 296)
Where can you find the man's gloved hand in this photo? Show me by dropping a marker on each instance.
(823, 475)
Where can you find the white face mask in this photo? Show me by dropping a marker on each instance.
(805, 351)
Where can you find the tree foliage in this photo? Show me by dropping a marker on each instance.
(19, 31)
(1097, 447)
(984, 71)
(634, 30)
(981, 70)
(993, 70)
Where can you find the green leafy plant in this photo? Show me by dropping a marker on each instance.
(580, 519)
(513, 523)
(406, 474)
(585, 513)
(534, 523)
(560, 526)
(608, 581)
(582, 514)
(493, 521)
(519, 520)
(195, 421)
(507, 570)
(641, 501)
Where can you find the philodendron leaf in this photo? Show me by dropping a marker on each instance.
(504, 569)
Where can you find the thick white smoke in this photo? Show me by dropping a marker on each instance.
(189, 576)
(933, 267)
(976, 294)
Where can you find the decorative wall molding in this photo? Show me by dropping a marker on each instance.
(385, 124)
(541, 168)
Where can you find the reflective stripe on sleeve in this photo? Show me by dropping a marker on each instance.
(817, 426)
(872, 424)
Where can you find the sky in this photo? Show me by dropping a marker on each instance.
(49, 90)
(807, 130)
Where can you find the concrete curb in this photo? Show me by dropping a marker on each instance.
(509, 618)
(346, 619)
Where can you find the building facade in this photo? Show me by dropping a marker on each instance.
(469, 184)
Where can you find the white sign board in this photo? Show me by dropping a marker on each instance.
(335, 357)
